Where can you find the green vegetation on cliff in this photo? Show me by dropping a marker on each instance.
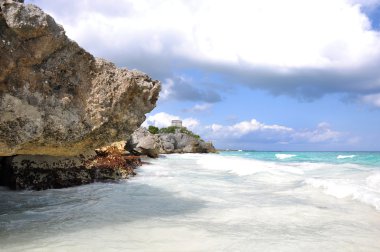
(152, 129)
(173, 129)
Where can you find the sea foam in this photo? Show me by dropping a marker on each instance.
(365, 190)
(345, 156)
(339, 180)
(204, 203)
(245, 166)
(284, 156)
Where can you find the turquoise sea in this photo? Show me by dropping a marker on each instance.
(232, 201)
(332, 157)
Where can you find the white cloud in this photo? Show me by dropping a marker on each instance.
(258, 131)
(372, 99)
(322, 133)
(293, 33)
(163, 119)
(245, 127)
(253, 125)
(190, 123)
(295, 47)
(199, 108)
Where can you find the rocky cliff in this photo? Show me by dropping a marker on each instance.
(59, 102)
(142, 142)
(56, 98)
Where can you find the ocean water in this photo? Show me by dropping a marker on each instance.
(232, 201)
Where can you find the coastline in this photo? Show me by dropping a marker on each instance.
(217, 202)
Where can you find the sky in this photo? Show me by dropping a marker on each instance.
(289, 75)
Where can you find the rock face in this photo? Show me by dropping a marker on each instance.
(183, 143)
(44, 172)
(55, 98)
(142, 142)
(58, 104)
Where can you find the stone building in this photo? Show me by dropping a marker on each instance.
(177, 123)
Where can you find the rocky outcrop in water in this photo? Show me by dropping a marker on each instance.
(142, 142)
(183, 143)
(56, 98)
(58, 104)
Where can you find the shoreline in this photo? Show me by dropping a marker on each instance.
(203, 203)
(39, 173)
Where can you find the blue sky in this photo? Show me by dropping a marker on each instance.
(263, 75)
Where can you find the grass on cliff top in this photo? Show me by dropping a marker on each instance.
(172, 129)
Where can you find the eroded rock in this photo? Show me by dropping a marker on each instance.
(56, 98)
(44, 172)
(142, 142)
(183, 143)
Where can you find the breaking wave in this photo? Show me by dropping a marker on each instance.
(365, 190)
(284, 156)
(345, 156)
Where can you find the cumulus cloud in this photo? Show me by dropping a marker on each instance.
(322, 133)
(299, 48)
(254, 130)
(246, 127)
(278, 33)
(199, 108)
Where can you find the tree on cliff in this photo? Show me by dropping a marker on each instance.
(153, 129)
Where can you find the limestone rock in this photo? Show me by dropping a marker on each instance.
(142, 142)
(183, 143)
(43, 172)
(119, 146)
(56, 98)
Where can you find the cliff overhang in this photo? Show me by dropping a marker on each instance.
(56, 99)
